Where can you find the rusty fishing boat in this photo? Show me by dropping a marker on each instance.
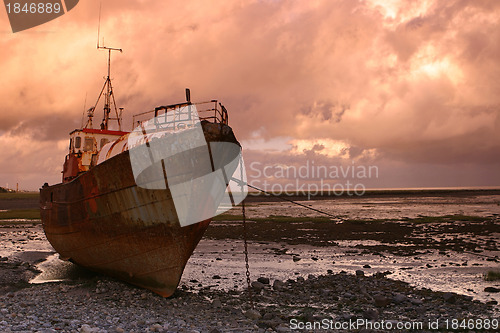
(125, 222)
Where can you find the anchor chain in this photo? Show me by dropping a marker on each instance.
(247, 267)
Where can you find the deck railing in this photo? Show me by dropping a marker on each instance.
(176, 116)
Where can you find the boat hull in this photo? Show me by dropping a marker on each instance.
(103, 221)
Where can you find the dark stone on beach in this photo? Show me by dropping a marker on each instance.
(295, 258)
(329, 271)
(253, 314)
(267, 316)
(257, 285)
(314, 258)
(381, 301)
(216, 277)
(367, 266)
(360, 273)
(491, 290)
(371, 314)
(269, 323)
(399, 298)
(428, 265)
(263, 280)
(416, 301)
(311, 277)
(493, 302)
(279, 285)
(449, 297)
(300, 279)
(217, 303)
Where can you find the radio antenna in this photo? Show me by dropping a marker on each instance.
(99, 25)
(107, 89)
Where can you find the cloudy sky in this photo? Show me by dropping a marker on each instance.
(411, 87)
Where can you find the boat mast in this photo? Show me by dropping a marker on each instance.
(107, 89)
(109, 97)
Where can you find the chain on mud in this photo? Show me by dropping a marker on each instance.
(247, 273)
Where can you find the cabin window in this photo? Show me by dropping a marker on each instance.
(78, 142)
(70, 143)
(88, 145)
(103, 142)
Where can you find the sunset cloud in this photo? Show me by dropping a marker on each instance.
(411, 86)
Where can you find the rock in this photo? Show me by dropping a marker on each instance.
(416, 301)
(449, 297)
(216, 277)
(253, 314)
(300, 279)
(360, 273)
(381, 301)
(399, 298)
(295, 258)
(268, 316)
(215, 330)
(180, 322)
(371, 314)
(281, 328)
(263, 280)
(156, 328)
(257, 285)
(491, 290)
(217, 303)
(367, 266)
(86, 329)
(279, 285)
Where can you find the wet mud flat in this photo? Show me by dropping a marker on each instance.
(351, 279)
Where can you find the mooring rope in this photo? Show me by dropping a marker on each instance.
(292, 201)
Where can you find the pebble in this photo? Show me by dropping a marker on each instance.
(399, 298)
(279, 285)
(381, 301)
(263, 280)
(253, 314)
(449, 297)
(491, 290)
(121, 308)
(257, 285)
(360, 273)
